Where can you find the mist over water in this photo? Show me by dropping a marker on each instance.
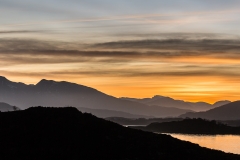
(226, 143)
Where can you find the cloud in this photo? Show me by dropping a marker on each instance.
(146, 58)
(17, 51)
(18, 31)
(17, 45)
(123, 17)
(198, 71)
(211, 45)
(35, 7)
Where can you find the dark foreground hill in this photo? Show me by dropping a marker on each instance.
(229, 111)
(65, 133)
(192, 126)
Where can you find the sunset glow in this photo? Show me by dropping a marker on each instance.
(189, 50)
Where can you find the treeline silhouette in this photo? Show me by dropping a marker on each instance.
(192, 126)
(65, 133)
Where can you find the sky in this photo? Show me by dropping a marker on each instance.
(185, 49)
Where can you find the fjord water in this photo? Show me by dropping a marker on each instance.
(226, 143)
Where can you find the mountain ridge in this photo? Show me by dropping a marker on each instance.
(170, 102)
(229, 111)
(53, 93)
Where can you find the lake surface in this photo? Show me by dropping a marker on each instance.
(134, 125)
(226, 143)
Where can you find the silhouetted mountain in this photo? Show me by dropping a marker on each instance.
(191, 126)
(220, 103)
(4, 107)
(52, 93)
(200, 106)
(65, 133)
(140, 121)
(229, 111)
(170, 102)
(103, 113)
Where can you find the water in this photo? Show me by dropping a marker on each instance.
(134, 125)
(226, 143)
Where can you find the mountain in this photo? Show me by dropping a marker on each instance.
(103, 113)
(4, 107)
(52, 93)
(220, 103)
(191, 126)
(229, 111)
(65, 133)
(170, 102)
(168, 111)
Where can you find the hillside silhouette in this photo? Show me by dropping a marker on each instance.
(65, 133)
(192, 126)
(170, 102)
(147, 121)
(52, 93)
(229, 111)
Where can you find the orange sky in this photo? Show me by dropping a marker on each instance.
(190, 89)
(187, 50)
(189, 79)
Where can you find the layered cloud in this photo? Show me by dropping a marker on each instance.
(166, 65)
(146, 58)
(185, 49)
(129, 51)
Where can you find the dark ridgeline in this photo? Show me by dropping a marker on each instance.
(52, 93)
(191, 126)
(229, 111)
(65, 133)
(147, 121)
(140, 121)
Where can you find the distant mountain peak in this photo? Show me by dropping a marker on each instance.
(45, 82)
(158, 96)
(229, 111)
(222, 102)
(4, 82)
(3, 79)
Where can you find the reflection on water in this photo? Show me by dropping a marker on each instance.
(226, 143)
(134, 125)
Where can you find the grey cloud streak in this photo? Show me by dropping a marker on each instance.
(19, 31)
(118, 63)
(211, 72)
(214, 45)
(17, 51)
(169, 48)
